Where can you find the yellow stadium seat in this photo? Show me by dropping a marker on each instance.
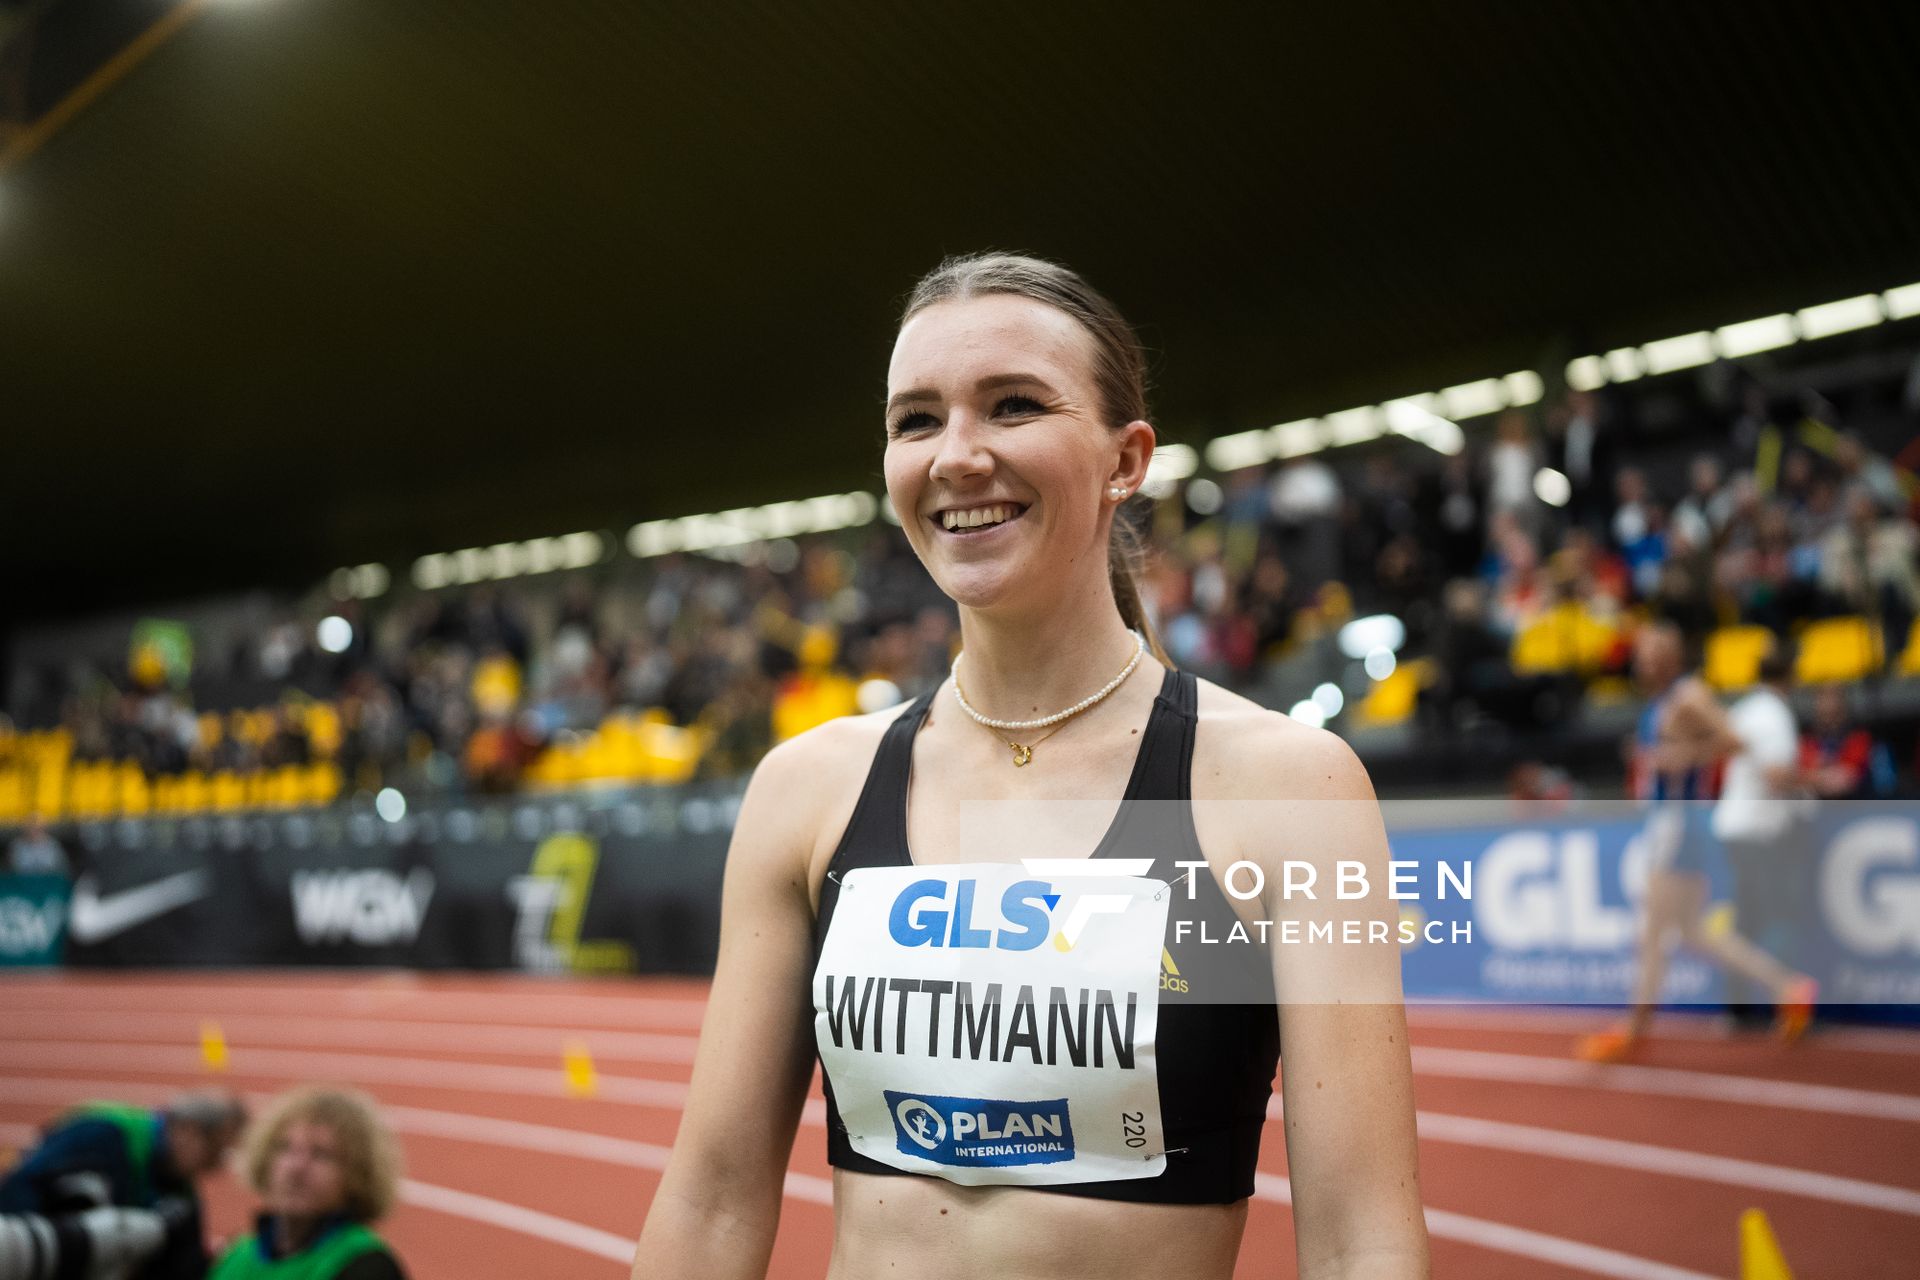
(1392, 701)
(134, 797)
(321, 783)
(323, 728)
(1909, 663)
(1733, 656)
(195, 793)
(227, 792)
(1836, 650)
(1564, 638)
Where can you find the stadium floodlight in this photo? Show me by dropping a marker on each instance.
(1475, 399)
(1241, 449)
(1749, 337)
(430, 573)
(1362, 636)
(1291, 439)
(1356, 426)
(1381, 663)
(876, 695)
(334, 634)
(1170, 464)
(1844, 316)
(1623, 364)
(1587, 373)
(578, 550)
(1174, 461)
(1329, 699)
(1310, 713)
(1902, 302)
(359, 582)
(1413, 418)
(1524, 387)
(1687, 351)
(1552, 487)
(390, 804)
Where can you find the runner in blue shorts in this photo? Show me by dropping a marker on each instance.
(1683, 738)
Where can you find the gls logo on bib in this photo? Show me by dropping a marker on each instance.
(980, 1132)
(919, 920)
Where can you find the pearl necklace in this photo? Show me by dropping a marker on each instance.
(1023, 752)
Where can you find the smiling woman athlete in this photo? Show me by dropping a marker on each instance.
(1108, 1128)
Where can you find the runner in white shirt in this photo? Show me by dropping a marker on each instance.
(1757, 820)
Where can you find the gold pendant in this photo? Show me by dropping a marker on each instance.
(1020, 754)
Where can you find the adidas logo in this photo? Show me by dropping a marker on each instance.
(1170, 979)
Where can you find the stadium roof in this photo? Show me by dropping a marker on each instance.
(321, 283)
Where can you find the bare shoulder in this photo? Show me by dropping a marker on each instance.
(809, 784)
(1245, 751)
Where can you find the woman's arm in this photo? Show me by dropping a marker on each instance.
(1346, 1069)
(718, 1204)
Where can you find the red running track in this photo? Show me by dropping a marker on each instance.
(1534, 1165)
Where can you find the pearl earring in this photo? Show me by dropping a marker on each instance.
(1117, 492)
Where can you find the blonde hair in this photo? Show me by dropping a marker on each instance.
(368, 1152)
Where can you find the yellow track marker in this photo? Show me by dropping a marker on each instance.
(1760, 1257)
(213, 1046)
(578, 1063)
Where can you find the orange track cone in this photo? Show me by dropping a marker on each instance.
(1760, 1257)
(213, 1046)
(578, 1063)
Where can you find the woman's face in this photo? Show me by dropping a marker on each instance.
(992, 411)
(306, 1172)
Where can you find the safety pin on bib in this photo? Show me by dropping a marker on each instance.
(1163, 893)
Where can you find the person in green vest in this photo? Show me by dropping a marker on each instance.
(105, 1155)
(326, 1168)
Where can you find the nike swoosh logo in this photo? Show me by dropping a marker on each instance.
(93, 918)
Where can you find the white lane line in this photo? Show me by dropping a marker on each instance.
(1894, 1040)
(461, 1126)
(644, 1091)
(1587, 1149)
(359, 1067)
(1499, 1135)
(336, 1032)
(1479, 1232)
(531, 1004)
(1475, 1064)
(1498, 1237)
(1433, 1126)
(513, 1217)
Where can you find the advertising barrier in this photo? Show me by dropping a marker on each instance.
(33, 919)
(620, 886)
(630, 882)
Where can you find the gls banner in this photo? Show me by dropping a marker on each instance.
(996, 1023)
(1555, 911)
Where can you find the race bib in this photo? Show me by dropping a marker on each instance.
(990, 1025)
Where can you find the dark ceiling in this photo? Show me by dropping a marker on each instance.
(331, 281)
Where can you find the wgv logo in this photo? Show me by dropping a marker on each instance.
(980, 1132)
(924, 916)
(372, 908)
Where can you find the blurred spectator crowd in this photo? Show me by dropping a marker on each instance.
(1514, 572)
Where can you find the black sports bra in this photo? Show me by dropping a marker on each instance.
(1215, 1061)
